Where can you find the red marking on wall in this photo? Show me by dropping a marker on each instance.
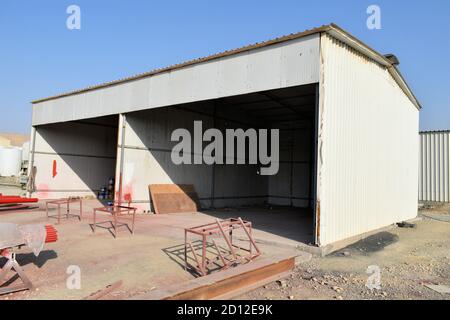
(54, 173)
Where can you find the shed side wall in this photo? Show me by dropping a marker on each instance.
(368, 146)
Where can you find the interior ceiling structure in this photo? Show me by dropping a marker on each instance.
(278, 108)
(286, 108)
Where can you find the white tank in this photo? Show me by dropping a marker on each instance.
(10, 161)
(26, 151)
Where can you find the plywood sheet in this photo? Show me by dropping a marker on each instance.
(173, 198)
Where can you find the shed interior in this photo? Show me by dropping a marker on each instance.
(224, 189)
(91, 155)
(76, 158)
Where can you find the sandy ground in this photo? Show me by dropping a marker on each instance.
(407, 259)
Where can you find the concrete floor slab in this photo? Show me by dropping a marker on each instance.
(145, 261)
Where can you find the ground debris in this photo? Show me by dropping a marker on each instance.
(282, 283)
(406, 225)
(104, 292)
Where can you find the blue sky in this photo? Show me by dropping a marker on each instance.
(39, 56)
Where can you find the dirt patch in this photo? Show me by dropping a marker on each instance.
(407, 260)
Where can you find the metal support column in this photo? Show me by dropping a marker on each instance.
(31, 172)
(314, 182)
(123, 124)
(213, 183)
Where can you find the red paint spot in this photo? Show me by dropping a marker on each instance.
(127, 193)
(127, 197)
(54, 173)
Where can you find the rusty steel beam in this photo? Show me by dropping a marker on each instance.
(228, 283)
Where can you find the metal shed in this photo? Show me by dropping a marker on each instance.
(348, 132)
(434, 166)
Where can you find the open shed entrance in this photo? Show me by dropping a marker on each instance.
(281, 203)
(76, 158)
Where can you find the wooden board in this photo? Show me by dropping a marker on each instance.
(173, 198)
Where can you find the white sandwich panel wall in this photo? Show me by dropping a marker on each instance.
(368, 146)
(290, 63)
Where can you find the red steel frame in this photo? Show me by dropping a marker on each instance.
(117, 212)
(66, 202)
(225, 229)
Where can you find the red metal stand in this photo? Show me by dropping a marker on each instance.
(67, 203)
(225, 229)
(117, 212)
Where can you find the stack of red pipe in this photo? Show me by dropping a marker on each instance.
(52, 234)
(16, 199)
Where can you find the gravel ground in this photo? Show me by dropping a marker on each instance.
(408, 259)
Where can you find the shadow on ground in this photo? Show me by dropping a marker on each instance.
(369, 245)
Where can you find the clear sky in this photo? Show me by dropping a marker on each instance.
(40, 56)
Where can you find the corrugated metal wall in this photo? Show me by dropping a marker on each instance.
(291, 185)
(367, 169)
(434, 166)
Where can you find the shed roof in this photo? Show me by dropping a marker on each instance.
(332, 29)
